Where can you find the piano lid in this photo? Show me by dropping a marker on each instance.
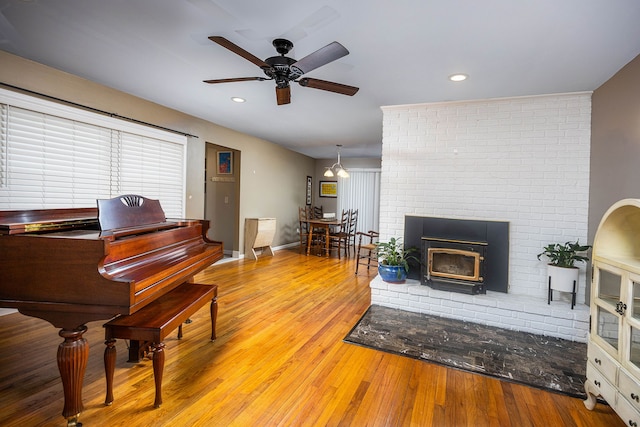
(123, 212)
(39, 220)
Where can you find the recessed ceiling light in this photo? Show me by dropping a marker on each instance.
(238, 99)
(458, 77)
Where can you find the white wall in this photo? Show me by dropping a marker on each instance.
(523, 160)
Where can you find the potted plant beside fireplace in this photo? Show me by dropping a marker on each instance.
(561, 269)
(393, 260)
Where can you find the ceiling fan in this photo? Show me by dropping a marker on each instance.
(284, 70)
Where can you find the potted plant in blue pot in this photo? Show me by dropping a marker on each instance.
(393, 257)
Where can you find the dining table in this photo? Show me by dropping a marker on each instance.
(325, 223)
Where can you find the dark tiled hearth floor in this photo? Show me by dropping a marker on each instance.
(544, 362)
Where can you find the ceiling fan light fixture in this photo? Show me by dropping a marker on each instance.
(328, 172)
(458, 77)
(284, 70)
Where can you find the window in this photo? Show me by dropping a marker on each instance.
(3, 155)
(361, 191)
(55, 156)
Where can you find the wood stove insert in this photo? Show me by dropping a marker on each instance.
(493, 237)
(453, 265)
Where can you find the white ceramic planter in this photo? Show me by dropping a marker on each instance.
(562, 278)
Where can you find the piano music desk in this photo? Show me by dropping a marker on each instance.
(153, 323)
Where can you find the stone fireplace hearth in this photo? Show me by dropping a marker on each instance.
(516, 312)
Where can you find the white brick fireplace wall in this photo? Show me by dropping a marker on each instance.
(523, 160)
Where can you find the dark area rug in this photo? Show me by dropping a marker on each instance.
(547, 363)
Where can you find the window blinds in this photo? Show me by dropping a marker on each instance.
(361, 191)
(159, 176)
(54, 156)
(3, 155)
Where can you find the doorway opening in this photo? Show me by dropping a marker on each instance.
(222, 196)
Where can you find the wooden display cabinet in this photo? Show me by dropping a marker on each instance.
(613, 365)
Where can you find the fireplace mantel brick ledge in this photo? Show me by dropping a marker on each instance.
(509, 311)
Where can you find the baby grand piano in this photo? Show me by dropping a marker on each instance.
(73, 266)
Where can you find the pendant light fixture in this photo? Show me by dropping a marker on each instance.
(336, 168)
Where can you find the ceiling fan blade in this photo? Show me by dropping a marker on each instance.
(320, 57)
(330, 86)
(239, 79)
(283, 95)
(239, 51)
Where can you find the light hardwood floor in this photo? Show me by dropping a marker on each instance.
(279, 360)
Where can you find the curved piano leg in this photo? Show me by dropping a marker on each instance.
(109, 368)
(158, 368)
(73, 354)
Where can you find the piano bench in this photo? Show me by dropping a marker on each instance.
(153, 323)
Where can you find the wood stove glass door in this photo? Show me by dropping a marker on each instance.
(454, 264)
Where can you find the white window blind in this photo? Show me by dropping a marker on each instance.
(72, 157)
(3, 145)
(361, 191)
(54, 162)
(160, 176)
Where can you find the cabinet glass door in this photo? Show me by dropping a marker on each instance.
(608, 327)
(609, 285)
(635, 304)
(634, 350)
(608, 294)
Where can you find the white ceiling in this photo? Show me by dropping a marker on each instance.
(401, 52)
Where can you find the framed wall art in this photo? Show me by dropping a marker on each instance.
(225, 163)
(309, 186)
(328, 189)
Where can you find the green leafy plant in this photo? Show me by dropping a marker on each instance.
(392, 253)
(565, 255)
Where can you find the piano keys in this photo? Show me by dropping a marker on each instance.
(73, 266)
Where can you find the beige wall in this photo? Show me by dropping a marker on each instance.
(272, 179)
(615, 142)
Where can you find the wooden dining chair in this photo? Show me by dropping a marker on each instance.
(317, 238)
(317, 212)
(303, 227)
(339, 239)
(353, 227)
(367, 253)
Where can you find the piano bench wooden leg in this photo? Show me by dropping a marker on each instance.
(158, 369)
(109, 368)
(138, 350)
(134, 351)
(213, 310)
